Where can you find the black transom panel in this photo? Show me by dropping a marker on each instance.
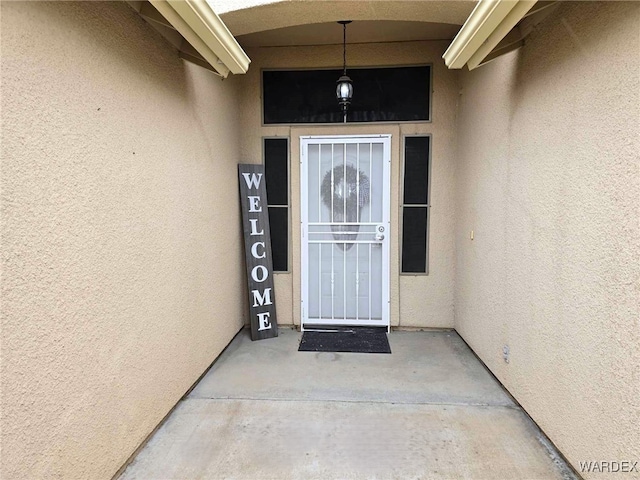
(393, 94)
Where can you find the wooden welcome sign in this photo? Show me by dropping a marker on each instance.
(257, 247)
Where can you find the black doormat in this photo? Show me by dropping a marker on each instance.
(352, 339)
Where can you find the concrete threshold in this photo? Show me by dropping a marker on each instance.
(430, 410)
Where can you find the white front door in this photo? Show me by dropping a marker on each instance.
(345, 230)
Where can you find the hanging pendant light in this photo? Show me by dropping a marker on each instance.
(344, 90)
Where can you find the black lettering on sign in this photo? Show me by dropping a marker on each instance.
(257, 248)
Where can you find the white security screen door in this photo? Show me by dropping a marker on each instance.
(345, 230)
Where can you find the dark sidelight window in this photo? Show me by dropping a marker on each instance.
(276, 167)
(308, 96)
(415, 204)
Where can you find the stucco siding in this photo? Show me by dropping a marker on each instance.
(416, 301)
(121, 255)
(548, 178)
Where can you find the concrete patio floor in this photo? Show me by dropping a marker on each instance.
(430, 410)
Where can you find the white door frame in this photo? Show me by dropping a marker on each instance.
(385, 139)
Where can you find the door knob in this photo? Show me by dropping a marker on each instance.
(380, 232)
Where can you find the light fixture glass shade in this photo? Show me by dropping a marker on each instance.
(344, 90)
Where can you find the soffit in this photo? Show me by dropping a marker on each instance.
(365, 31)
(244, 17)
(496, 27)
(198, 33)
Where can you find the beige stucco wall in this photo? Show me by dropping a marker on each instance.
(121, 255)
(548, 177)
(416, 301)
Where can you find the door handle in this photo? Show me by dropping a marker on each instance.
(380, 232)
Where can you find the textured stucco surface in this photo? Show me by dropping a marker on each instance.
(548, 177)
(121, 263)
(122, 275)
(416, 301)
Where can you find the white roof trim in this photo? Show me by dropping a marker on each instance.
(489, 22)
(203, 29)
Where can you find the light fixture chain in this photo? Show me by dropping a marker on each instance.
(344, 48)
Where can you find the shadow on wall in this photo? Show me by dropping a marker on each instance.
(142, 58)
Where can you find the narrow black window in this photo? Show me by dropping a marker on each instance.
(276, 166)
(415, 204)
